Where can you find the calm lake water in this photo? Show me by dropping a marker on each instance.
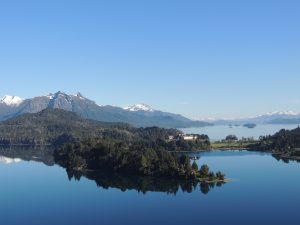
(219, 132)
(262, 191)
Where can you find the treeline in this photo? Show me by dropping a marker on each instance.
(117, 156)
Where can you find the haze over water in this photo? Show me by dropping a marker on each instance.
(219, 132)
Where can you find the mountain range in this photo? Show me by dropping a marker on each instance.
(276, 117)
(139, 115)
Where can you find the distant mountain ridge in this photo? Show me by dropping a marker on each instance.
(139, 115)
(276, 117)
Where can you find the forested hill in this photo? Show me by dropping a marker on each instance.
(285, 144)
(56, 126)
(284, 140)
(51, 126)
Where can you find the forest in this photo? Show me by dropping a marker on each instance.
(284, 144)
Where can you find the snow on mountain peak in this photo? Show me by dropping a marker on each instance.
(79, 95)
(50, 96)
(62, 94)
(139, 107)
(11, 100)
(280, 113)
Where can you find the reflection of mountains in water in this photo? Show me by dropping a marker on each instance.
(14, 154)
(7, 160)
(124, 182)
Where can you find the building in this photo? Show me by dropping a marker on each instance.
(190, 137)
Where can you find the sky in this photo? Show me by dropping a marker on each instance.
(197, 58)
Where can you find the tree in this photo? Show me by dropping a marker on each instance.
(220, 175)
(204, 171)
(231, 137)
(195, 166)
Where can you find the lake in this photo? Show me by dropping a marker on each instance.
(262, 191)
(219, 132)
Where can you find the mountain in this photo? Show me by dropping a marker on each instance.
(285, 121)
(139, 115)
(276, 117)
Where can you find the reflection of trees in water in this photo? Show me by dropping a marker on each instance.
(206, 187)
(108, 180)
(284, 158)
(123, 182)
(29, 153)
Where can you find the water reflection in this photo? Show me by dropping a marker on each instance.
(7, 160)
(285, 159)
(17, 154)
(143, 184)
(104, 179)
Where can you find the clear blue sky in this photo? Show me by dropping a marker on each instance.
(197, 58)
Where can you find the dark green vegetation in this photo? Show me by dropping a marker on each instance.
(135, 158)
(232, 142)
(54, 127)
(284, 144)
(231, 137)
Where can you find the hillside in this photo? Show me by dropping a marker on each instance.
(55, 127)
(52, 126)
(284, 144)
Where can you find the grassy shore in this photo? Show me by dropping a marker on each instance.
(231, 145)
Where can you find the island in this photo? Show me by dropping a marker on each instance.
(249, 125)
(86, 145)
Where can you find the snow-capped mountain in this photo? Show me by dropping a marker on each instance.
(139, 107)
(275, 117)
(139, 115)
(11, 100)
(279, 113)
(279, 117)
